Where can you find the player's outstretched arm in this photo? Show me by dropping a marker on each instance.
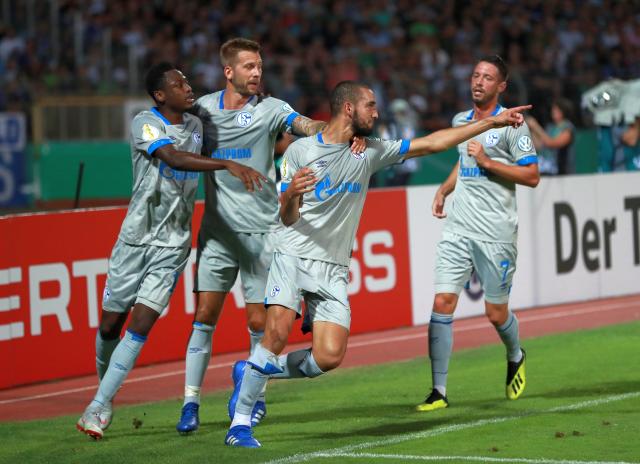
(303, 126)
(186, 161)
(302, 182)
(449, 138)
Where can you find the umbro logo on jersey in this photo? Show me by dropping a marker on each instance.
(359, 155)
(244, 119)
(491, 139)
(525, 143)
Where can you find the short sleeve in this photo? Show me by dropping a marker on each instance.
(383, 153)
(289, 166)
(283, 116)
(148, 134)
(521, 146)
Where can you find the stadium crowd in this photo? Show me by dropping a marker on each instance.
(420, 52)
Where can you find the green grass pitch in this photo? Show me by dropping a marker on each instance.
(582, 403)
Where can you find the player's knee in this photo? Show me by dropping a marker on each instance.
(275, 338)
(110, 330)
(445, 303)
(207, 313)
(329, 361)
(329, 357)
(256, 321)
(111, 324)
(497, 315)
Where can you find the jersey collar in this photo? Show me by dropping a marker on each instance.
(221, 104)
(472, 112)
(155, 111)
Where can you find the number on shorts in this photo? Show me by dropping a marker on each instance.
(505, 265)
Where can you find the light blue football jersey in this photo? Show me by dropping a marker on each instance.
(484, 205)
(246, 136)
(329, 215)
(162, 201)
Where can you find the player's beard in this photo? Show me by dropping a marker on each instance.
(360, 129)
(243, 89)
(484, 98)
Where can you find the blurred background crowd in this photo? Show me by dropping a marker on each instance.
(72, 66)
(421, 52)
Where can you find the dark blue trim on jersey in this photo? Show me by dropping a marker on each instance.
(137, 337)
(472, 112)
(157, 144)
(291, 117)
(284, 186)
(155, 111)
(319, 137)
(404, 146)
(527, 160)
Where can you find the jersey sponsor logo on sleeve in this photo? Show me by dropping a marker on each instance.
(491, 139)
(244, 119)
(525, 143)
(149, 132)
(197, 138)
(322, 164)
(359, 155)
(283, 168)
(287, 108)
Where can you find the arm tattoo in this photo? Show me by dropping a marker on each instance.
(305, 126)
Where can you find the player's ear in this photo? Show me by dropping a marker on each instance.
(159, 96)
(228, 72)
(502, 86)
(348, 108)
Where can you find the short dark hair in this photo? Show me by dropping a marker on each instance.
(155, 78)
(230, 49)
(565, 106)
(499, 63)
(345, 91)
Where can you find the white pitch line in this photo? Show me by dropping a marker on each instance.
(410, 457)
(395, 439)
(93, 387)
(523, 319)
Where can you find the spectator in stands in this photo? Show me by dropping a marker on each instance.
(554, 143)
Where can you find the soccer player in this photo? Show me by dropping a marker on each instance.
(324, 185)
(155, 238)
(481, 229)
(235, 234)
